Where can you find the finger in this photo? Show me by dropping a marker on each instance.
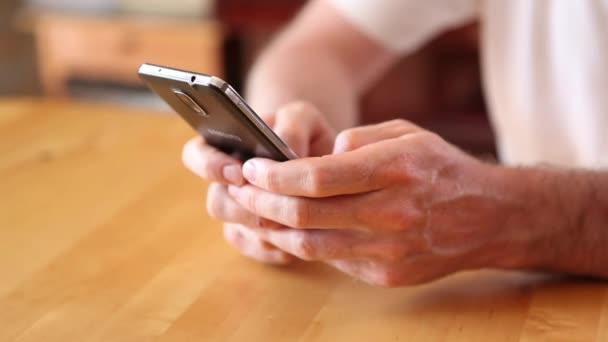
(360, 212)
(252, 246)
(368, 168)
(363, 270)
(268, 118)
(370, 272)
(304, 129)
(211, 164)
(354, 138)
(323, 245)
(315, 245)
(223, 207)
(298, 212)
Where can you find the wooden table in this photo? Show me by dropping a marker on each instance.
(104, 237)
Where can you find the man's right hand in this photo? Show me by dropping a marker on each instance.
(303, 128)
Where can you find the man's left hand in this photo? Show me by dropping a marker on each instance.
(394, 205)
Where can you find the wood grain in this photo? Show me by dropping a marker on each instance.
(104, 237)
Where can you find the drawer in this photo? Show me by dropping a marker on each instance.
(114, 48)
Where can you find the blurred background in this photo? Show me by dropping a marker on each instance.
(91, 50)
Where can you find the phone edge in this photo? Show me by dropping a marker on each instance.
(193, 78)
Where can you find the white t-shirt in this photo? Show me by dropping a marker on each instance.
(545, 66)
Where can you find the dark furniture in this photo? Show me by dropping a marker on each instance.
(439, 87)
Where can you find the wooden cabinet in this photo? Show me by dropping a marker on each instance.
(111, 48)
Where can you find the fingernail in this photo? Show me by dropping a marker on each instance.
(234, 190)
(249, 171)
(233, 174)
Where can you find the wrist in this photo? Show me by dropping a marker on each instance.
(533, 224)
(580, 245)
(548, 227)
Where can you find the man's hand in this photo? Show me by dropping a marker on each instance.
(395, 205)
(303, 128)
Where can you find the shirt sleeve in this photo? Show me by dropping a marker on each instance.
(405, 25)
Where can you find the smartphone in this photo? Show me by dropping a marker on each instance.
(217, 112)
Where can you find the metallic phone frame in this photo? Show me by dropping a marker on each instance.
(206, 80)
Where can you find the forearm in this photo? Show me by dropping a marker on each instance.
(560, 221)
(320, 58)
(282, 75)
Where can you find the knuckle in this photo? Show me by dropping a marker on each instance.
(212, 209)
(405, 168)
(432, 139)
(347, 140)
(270, 179)
(303, 247)
(268, 117)
(215, 205)
(251, 200)
(229, 232)
(401, 219)
(394, 252)
(289, 135)
(296, 139)
(403, 125)
(299, 216)
(404, 219)
(316, 180)
(233, 236)
(389, 277)
(202, 160)
(400, 122)
(300, 108)
(390, 218)
(262, 222)
(213, 164)
(333, 249)
(427, 137)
